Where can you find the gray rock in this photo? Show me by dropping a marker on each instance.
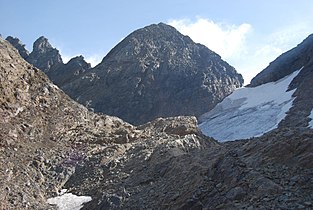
(15, 42)
(166, 164)
(44, 56)
(236, 193)
(63, 75)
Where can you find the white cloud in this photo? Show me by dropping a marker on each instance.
(290, 35)
(66, 58)
(94, 59)
(226, 40)
(248, 52)
(266, 49)
(256, 60)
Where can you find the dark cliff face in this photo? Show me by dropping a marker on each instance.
(44, 56)
(156, 72)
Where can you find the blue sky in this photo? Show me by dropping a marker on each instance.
(247, 34)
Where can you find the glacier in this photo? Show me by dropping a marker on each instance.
(69, 201)
(249, 111)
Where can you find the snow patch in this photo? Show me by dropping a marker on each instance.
(311, 122)
(69, 201)
(249, 112)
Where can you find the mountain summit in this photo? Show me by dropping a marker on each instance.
(156, 72)
(44, 56)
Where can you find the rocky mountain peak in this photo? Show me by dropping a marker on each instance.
(79, 61)
(44, 56)
(157, 72)
(15, 42)
(159, 43)
(159, 31)
(42, 44)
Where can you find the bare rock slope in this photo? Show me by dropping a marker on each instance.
(40, 128)
(48, 59)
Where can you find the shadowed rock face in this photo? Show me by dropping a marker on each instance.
(156, 72)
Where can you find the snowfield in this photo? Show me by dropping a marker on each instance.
(69, 201)
(249, 112)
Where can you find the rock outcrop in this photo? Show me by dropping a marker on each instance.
(156, 72)
(44, 56)
(19, 46)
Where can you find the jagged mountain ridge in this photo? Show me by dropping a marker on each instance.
(154, 72)
(49, 60)
(49, 142)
